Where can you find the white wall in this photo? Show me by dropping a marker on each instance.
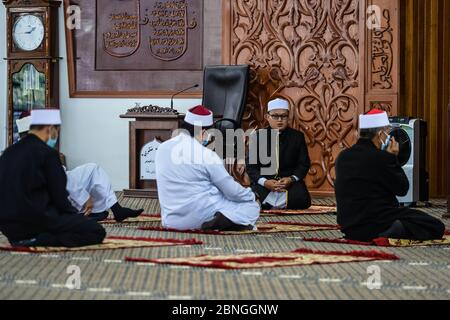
(92, 130)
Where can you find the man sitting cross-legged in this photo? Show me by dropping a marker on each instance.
(194, 189)
(283, 188)
(35, 207)
(368, 180)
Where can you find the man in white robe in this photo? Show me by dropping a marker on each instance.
(90, 182)
(89, 187)
(194, 189)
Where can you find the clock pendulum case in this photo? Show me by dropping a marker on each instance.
(32, 47)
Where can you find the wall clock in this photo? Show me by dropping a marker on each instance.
(28, 32)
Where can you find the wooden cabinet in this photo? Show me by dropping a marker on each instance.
(147, 131)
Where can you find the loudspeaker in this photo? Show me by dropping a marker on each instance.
(411, 134)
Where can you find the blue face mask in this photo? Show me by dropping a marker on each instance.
(52, 142)
(385, 145)
(206, 141)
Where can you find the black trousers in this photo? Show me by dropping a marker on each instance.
(57, 230)
(419, 226)
(298, 195)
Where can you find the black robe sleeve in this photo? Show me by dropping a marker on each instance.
(392, 175)
(57, 183)
(254, 168)
(304, 162)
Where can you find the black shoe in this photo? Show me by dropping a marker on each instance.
(121, 213)
(266, 206)
(222, 223)
(25, 243)
(42, 240)
(99, 217)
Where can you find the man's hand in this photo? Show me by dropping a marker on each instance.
(87, 209)
(278, 185)
(393, 147)
(272, 185)
(285, 184)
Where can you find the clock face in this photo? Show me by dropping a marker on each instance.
(28, 32)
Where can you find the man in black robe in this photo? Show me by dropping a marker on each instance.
(89, 187)
(35, 209)
(279, 183)
(368, 181)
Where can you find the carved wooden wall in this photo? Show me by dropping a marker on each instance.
(383, 56)
(323, 58)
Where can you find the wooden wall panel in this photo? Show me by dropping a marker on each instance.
(316, 54)
(382, 57)
(425, 74)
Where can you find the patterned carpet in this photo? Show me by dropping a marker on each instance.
(422, 273)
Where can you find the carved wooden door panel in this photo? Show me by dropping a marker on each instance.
(316, 54)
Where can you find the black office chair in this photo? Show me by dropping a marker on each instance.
(225, 93)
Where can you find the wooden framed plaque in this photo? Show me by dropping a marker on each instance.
(140, 48)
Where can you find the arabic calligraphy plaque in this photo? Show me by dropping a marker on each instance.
(149, 35)
(145, 48)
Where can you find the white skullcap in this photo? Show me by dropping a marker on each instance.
(278, 104)
(374, 119)
(45, 117)
(23, 125)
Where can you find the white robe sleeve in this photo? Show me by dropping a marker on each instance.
(232, 190)
(77, 194)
